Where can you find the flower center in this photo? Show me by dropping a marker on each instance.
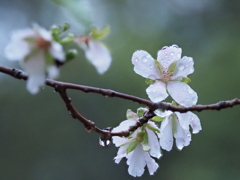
(42, 43)
(166, 75)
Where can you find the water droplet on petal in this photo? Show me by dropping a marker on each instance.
(165, 47)
(172, 54)
(181, 67)
(145, 59)
(153, 77)
(136, 60)
(194, 99)
(174, 45)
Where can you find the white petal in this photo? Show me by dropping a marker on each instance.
(169, 54)
(153, 143)
(34, 67)
(131, 115)
(136, 162)
(189, 118)
(144, 65)
(119, 141)
(157, 91)
(184, 119)
(166, 137)
(182, 93)
(34, 83)
(20, 35)
(17, 50)
(53, 72)
(43, 33)
(151, 164)
(195, 123)
(183, 137)
(184, 67)
(98, 55)
(123, 126)
(162, 113)
(56, 51)
(121, 153)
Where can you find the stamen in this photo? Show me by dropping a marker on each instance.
(42, 43)
(166, 75)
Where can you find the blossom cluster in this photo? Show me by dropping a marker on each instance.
(167, 76)
(41, 52)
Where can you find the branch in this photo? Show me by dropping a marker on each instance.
(106, 134)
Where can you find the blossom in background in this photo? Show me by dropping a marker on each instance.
(139, 146)
(168, 75)
(177, 124)
(36, 51)
(95, 50)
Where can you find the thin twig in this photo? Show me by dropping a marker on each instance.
(90, 126)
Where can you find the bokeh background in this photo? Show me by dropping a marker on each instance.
(40, 141)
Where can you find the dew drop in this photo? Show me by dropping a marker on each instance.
(148, 56)
(181, 67)
(165, 47)
(172, 54)
(136, 60)
(104, 143)
(194, 99)
(174, 45)
(153, 77)
(145, 59)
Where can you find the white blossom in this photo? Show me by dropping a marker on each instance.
(177, 124)
(168, 71)
(97, 53)
(31, 47)
(141, 155)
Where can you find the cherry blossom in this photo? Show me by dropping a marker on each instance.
(177, 124)
(169, 73)
(95, 50)
(98, 54)
(36, 50)
(139, 146)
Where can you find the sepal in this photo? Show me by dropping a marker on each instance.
(158, 119)
(132, 146)
(149, 81)
(186, 80)
(100, 34)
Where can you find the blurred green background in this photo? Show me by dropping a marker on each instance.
(40, 141)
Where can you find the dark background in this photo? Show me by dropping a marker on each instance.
(40, 141)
